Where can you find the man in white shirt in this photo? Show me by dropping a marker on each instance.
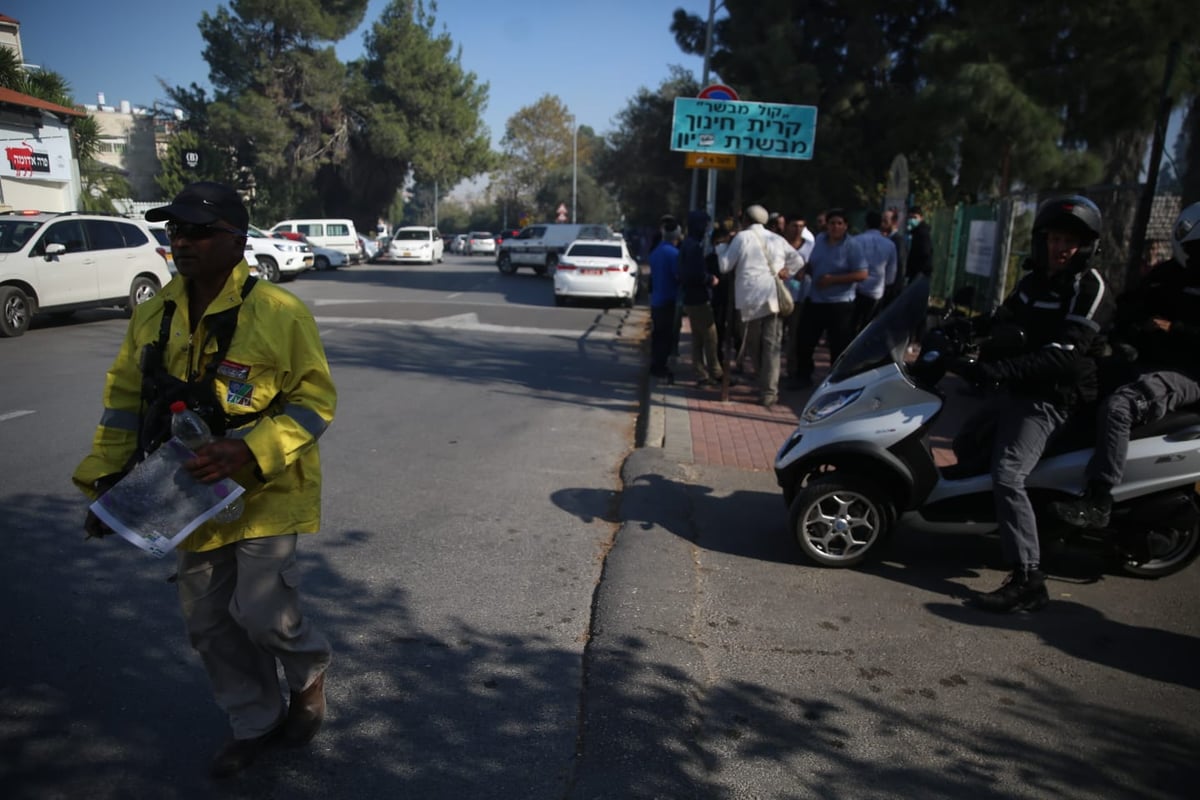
(756, 256)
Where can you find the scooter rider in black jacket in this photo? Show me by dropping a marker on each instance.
(1160, 321)
(1060, 306)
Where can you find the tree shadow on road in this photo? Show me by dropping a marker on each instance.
(101, 697)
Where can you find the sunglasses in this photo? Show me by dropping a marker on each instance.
(194, 231)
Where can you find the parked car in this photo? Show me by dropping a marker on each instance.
(597, 269)
(368, 247)
(480, 243)
(323, 257)
(336, 234)
(277, 259)
(60, 263)
(540, 246)
(414, 243)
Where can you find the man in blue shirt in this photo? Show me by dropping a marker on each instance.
(664, 290)
(880, 254)
(835, 267)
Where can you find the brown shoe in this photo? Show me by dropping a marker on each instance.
(237, 754)
(306, 712)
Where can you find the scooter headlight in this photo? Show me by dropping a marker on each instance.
(829, 404)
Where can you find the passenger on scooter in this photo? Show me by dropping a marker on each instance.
(1060, 306)
(1160, 320)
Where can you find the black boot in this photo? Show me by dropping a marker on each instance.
(1023, 590)
(1092, 509)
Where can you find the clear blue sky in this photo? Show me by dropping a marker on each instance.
(593, 55)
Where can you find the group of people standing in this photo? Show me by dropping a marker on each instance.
(1132, 358)
(837, 282)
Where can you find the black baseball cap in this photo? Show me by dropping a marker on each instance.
(204, 203)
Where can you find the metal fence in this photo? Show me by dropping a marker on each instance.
(985, 245)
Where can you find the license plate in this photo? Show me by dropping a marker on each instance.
(407, 254)
(592, 271)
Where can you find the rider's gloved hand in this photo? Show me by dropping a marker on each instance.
(974, 372)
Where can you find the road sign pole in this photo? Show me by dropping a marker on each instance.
(710, 204)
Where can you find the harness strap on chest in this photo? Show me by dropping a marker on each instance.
(160, 388)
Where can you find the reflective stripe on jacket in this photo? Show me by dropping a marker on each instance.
(275, 360)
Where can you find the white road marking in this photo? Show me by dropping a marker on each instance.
(465, 322)
(14, 414)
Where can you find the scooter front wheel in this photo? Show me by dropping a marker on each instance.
(839, 521)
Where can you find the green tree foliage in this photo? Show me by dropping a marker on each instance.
(641, 172)
(414, 111)
(216, 163)
(280, 93)
(981, 96)
(323, 138)
(537, 141)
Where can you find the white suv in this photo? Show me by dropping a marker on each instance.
(277, 259)
(64, 262)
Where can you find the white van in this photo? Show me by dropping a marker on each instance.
(336, 234)
(540, 246)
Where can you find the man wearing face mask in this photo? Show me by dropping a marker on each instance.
(920, 246)
(247, 357)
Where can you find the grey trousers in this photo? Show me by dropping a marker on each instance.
(242, 611)
(1023, 429)
(762, 340)
(1151, 397)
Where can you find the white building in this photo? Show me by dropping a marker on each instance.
(37, 168)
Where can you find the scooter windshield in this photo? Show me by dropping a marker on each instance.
(885, 338)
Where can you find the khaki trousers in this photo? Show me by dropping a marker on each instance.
(242, 611)
(705, 358)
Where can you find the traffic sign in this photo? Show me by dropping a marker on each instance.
(718, 91)
(709, 161)
(769, 130)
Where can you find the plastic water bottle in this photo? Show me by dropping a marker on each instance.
(190, 428)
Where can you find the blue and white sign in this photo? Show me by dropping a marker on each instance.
(738, 127)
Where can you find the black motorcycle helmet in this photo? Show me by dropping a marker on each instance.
(1073, 213)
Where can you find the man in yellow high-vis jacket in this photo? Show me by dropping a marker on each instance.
(247, 356)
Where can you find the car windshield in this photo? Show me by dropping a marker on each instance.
(14, 233)
(479, 235)
(596, 251)
(883, 341)
(411, 236)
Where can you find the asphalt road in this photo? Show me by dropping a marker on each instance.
(471, 481)
(524, 607)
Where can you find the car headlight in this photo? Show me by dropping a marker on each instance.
(287, 248)
(830, 404)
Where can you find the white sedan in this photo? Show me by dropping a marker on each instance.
(599, 269)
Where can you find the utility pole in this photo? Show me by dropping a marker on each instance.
(574, 164)
(710, 204)
(708, 36)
